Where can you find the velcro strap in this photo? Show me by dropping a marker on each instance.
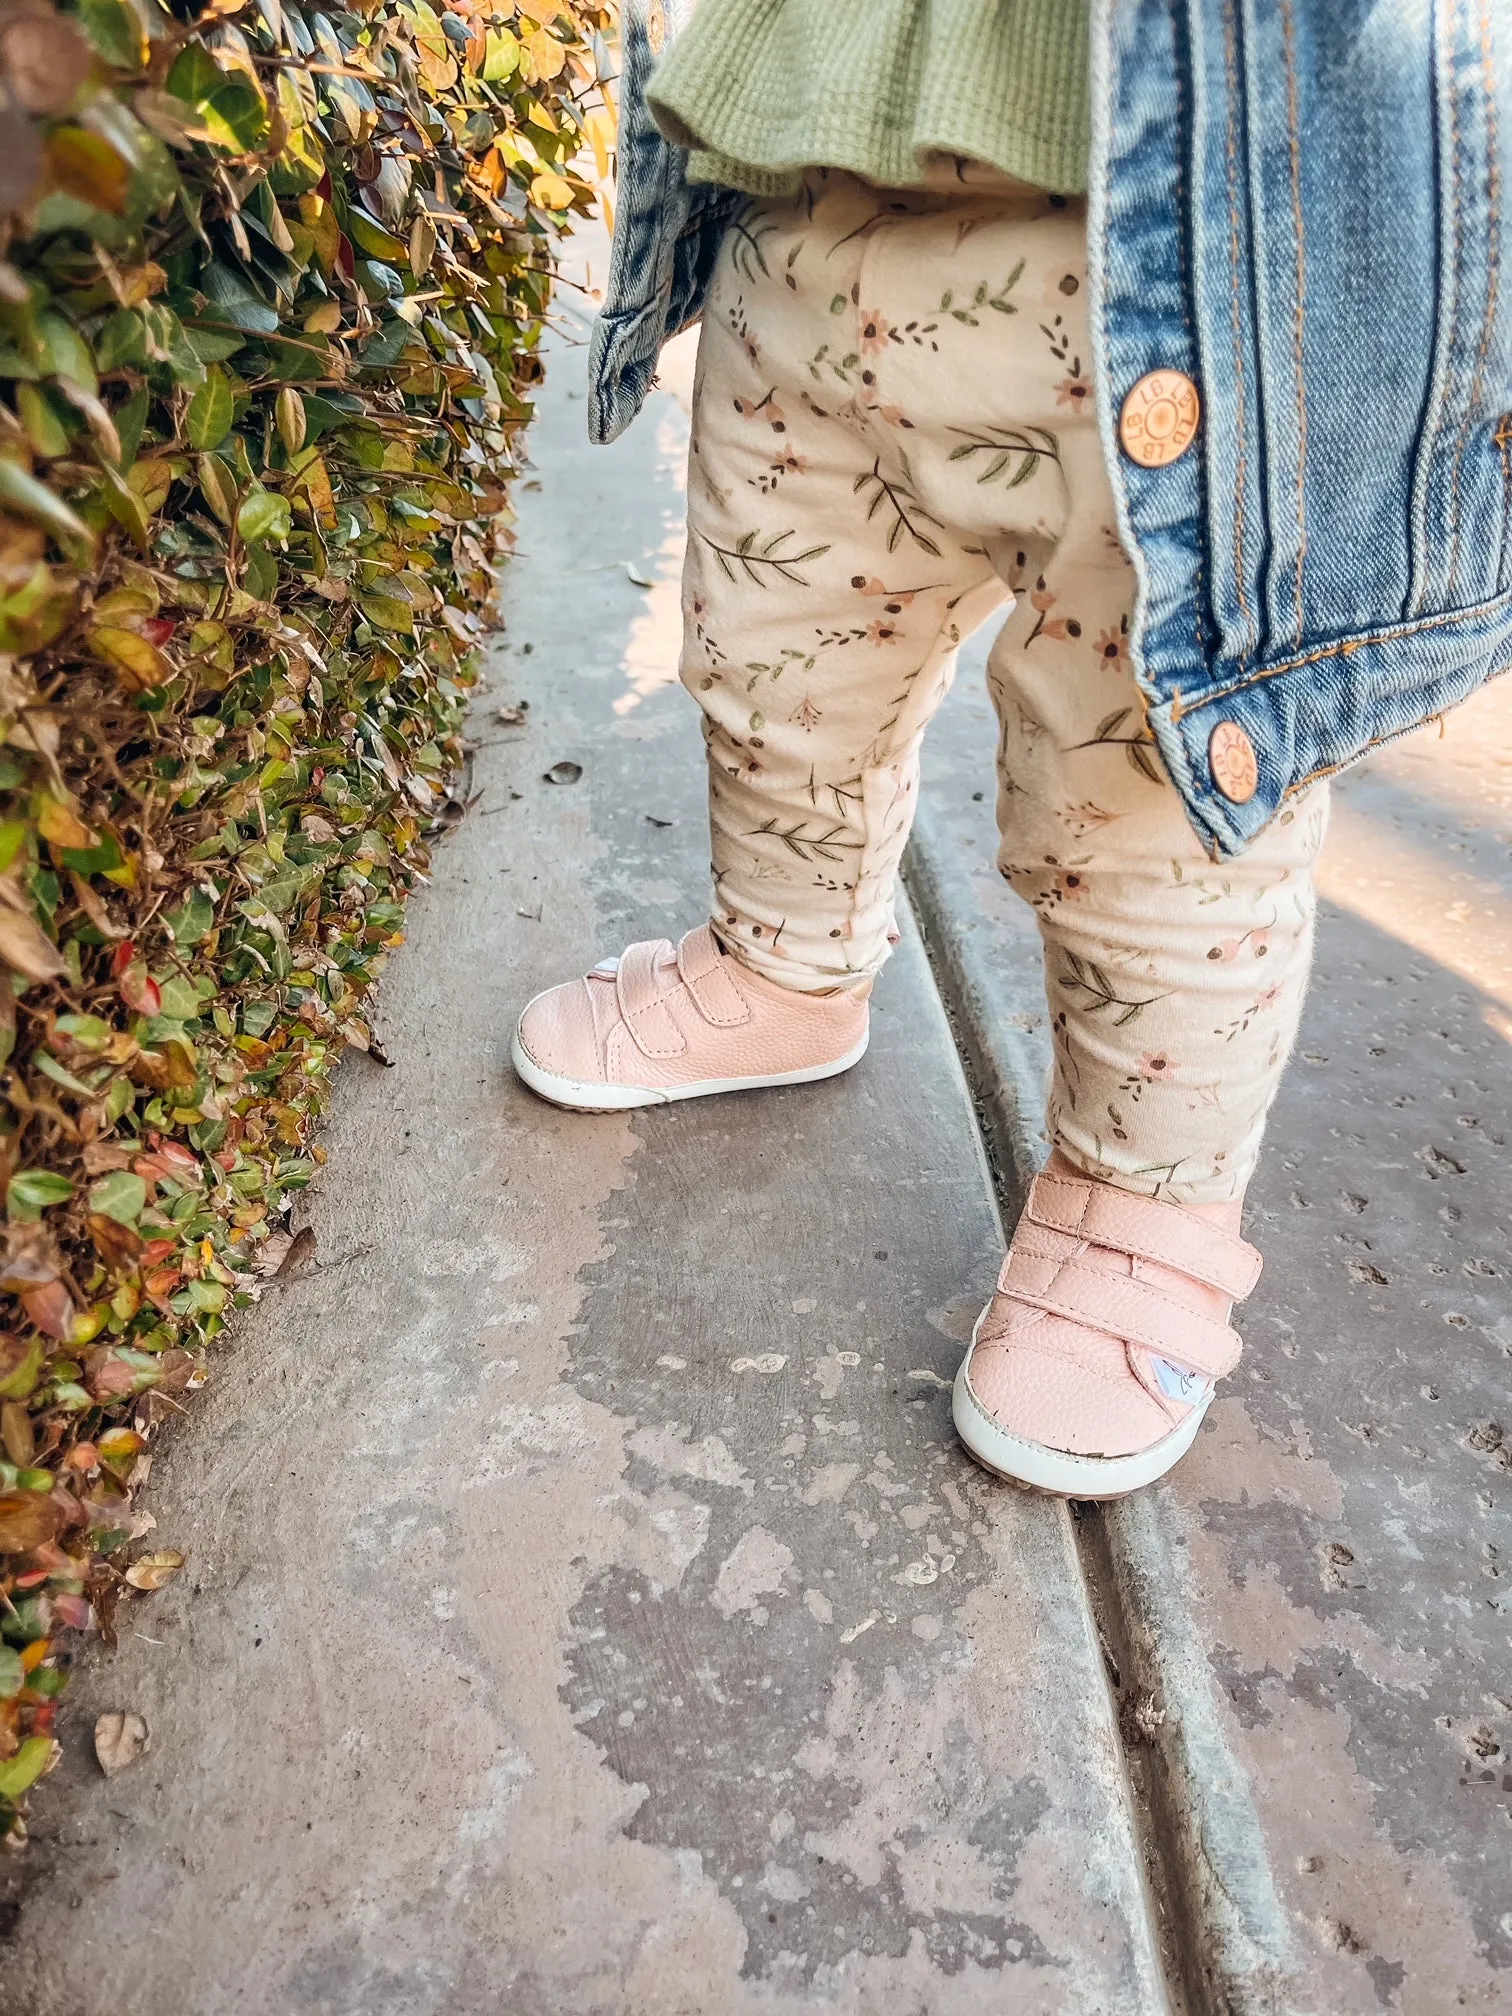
(706, 975)
(1127, 1308)
(1147, 1229)
(643, 992)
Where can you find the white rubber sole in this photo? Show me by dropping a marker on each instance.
(1056, 1472)
(593, 1097)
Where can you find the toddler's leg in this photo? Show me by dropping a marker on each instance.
(1174, 986)
(822, 604)
(1174, 982)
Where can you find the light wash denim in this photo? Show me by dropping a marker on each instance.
(1303, 206)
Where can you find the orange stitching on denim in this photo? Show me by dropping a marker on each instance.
(1230, 56)
(1344, 648)
(1299, 231)
(1375, 742)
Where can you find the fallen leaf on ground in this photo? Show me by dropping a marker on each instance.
(119, 1739)
(152, 1571)
(563, 773)
(513, 717)
(640, 580)
(652, 820)
(299, 1255)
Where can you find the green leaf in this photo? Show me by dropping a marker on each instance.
(21, 492)
(30, 1192)
(263, 514)
(121, 1195)
(113, 30)
(130, 419)
(179, 998)
(195, 74)
(208, 419)
(12, 1673)
(237, 301)
(189, 923)
(26, 1767)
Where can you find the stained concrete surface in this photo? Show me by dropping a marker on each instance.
(588, 1608)
(1342, 1531)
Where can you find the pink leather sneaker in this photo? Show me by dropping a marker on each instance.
(1092, 1366)
(664, 1022)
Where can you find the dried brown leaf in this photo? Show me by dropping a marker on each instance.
(119, 1739)
(153, 1571)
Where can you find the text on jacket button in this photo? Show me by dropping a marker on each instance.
(1159, 418)
(1232, 760)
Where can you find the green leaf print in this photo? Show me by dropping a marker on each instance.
(760, 563)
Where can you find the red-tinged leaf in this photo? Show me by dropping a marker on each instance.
(158, 629)
(108, 1378)
(157, 1249)
(51, 1308)
(74, 1611)
(139, 990)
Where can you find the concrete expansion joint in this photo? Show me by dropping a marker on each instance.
(1215, 1915)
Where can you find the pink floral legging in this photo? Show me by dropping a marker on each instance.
(893, 437)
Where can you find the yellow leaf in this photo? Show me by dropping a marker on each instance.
(598, 131)
(61, 826)
(142, 664)
(547, 56)
(290, 410)
(324, 320)
(89, 168)
(151, 480)
(550, 191)
(319, 220)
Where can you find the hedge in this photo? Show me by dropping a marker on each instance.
(272, 278)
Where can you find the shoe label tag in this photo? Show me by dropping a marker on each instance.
(1178, 1384)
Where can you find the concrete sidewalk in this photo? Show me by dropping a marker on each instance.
(591, 1611)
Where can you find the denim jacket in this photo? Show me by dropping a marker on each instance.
(1302, 208)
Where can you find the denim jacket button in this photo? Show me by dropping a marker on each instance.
(1232, 760)
(1159, 418)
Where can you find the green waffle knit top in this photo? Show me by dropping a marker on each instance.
(759, 90)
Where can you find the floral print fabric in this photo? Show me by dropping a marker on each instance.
(893, 438)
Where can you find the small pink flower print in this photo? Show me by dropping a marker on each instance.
(1269, 998)
(790, 463)
(806, 715)
(896, 598)
(1156, 1066)
(894, 416)
(881, 632)
(1226, 948)
(875, 329)
(1112, 649)
(1259, 943)
(1070, 885)
(1073, 392)
(1057, 627)
(763, 409)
